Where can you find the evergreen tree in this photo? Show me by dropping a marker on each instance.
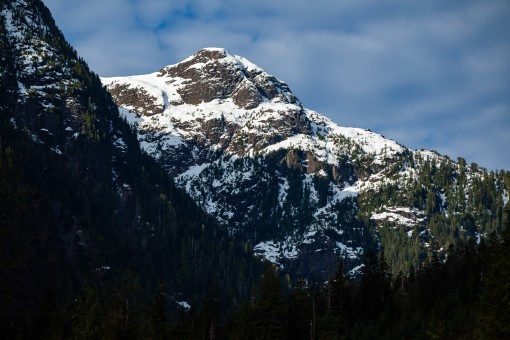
(300, 312)
(87, 316)
(158, 316)
(493, 318)
(374, 287)
(269, 307)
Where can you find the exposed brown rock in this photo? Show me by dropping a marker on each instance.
(209, 77)
(138, 98)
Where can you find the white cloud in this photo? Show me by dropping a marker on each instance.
(408, 69)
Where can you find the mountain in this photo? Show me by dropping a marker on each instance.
(298, 187)
(84, 209)
(99, 237)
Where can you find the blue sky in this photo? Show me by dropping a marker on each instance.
(428, 74)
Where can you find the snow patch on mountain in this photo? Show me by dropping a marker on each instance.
(400, 215)
(274, 252)
(349, 252)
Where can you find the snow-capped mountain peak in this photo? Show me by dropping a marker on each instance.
(228, 103)
(230, 132)
(281, 176)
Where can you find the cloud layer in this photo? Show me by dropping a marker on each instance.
(428, 74)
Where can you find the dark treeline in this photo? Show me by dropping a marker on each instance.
(72, 265)
(462, 298)
(465, 297)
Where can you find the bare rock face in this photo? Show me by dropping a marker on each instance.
(139, 99)
(215, 74)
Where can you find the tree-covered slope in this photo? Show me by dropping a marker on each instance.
(81, 204)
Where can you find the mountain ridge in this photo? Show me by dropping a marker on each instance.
(273, 146)
(166, 94)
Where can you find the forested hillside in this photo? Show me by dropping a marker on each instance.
(428, 202)
(464, 297)
(82, 205)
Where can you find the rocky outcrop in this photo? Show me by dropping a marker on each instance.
(215, 74)
(136, 98)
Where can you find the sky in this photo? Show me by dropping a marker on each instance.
(427, 74)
